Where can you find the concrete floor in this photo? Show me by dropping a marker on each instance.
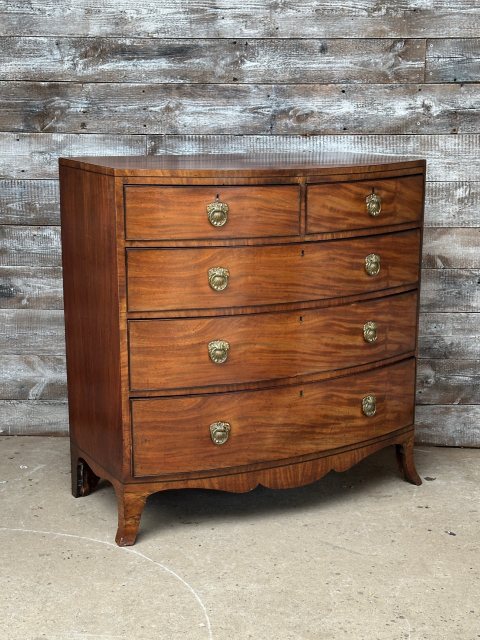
(358, 555)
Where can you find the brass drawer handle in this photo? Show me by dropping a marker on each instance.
(218, 351)
(374, 204)
(217, 213)
(370, 331)
(219, 432)
(372, 264)
(369, 405)
(218, 278)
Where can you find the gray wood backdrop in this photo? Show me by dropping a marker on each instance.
(130, 77)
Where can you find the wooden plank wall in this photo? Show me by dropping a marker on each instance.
(124, 77)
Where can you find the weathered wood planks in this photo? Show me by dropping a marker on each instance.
(202, 109)
(31, 417)
(239, 60)
(27, 287)
(454, 248)
(34, 155)
(24, 156)
(448, 381)
(29, 202)
(451, 335)
(452, 204)
(33, 377)
(30, 245)
(448, 425)
(27, 332)
(212, 76)
(453, 60)
(222, 19)
(450, 290)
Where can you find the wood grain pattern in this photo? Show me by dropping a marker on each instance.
(280, 423)
(155, 212)
(450, 290)
(452, 204)
(25, 331)
(448, 425)
(165, 354)
(33, 377)
(343, 206)
(100, 108)
(364, 48)
(454, 248)
(451, 335)
(453, 60)
(211, 19)
(35, 156)
(216, 60)
(453, 382)
(177, 279)
(30, 245)
(282, 476)
(89, 255)
(29, 202)
(26, 287)
(30, 417)
(449, 157)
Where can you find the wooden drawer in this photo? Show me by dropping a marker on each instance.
(175, 279)
(161, 212)
(172, 435)
(343, 206)
(169, 354)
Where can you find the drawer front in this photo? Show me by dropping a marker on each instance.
(169, 354)
(175, 279)
(156, 213)
(344, 206)
(176, 434)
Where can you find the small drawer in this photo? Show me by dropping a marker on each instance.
(229, 430)
(368, 203)
(197, 212)
(210, 278)
(198, 352)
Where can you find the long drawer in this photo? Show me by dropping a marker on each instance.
(169, 354)
(190, 212)
(366, 203)
(175, 435)
(206, 278)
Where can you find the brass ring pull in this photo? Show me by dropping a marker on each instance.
(219, 432)
(370, 331)
(218, 351)
(374, 204)
(369, 405)
(372, 264)
(217, 213)
(218, 278)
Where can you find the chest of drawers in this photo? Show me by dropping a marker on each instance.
(234, 320)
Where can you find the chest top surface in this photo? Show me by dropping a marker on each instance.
(247, 165)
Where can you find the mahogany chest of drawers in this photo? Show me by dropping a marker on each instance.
(236, 320)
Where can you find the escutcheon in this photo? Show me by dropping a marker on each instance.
(374, 204)
(220, 432)
(217, 213)
(372, 264)
(369, 405)
(218, 278)
(218, 351)
(370, 331)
